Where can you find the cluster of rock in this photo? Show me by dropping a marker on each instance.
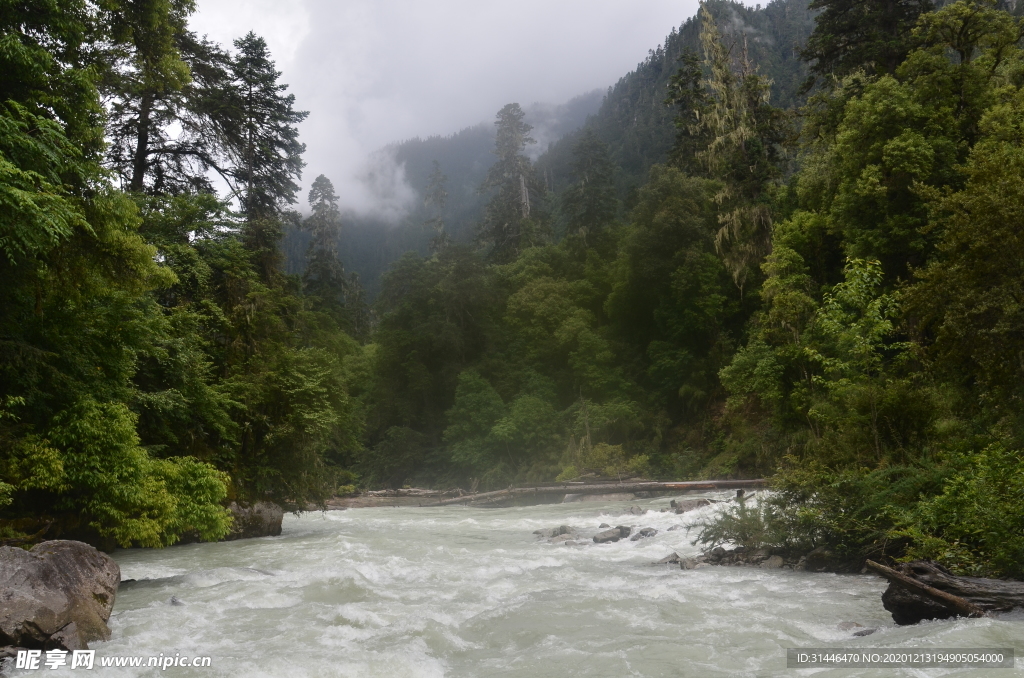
(58, 596)
(563, 534)
(818, 560)
(262, 519)
(568, 535)
(684, 505)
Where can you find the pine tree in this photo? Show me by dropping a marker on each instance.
(688, 94)
(163, 76)
(745, 134)
(437, 198)
(145, 84)
(325, 275)
(589, 204)
(507, 225)
(875, 35)
(264, 143)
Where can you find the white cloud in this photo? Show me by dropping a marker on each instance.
(376, 71)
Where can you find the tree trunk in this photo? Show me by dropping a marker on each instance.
(140, 161)
(604, 488)
(915, 600)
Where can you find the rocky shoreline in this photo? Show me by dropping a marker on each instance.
(921, 590)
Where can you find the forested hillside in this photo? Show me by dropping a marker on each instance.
(822, 289)
(634, 120)
(371, 243)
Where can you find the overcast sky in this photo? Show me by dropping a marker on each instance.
(375, 71)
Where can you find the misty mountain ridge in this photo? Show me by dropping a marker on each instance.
(396, 178)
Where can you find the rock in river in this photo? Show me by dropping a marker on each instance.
(58, 595)
(644, 533)
(262, 519)
(556, 531)
(684, 505)
(614, 534)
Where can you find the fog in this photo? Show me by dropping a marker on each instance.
(372, 72)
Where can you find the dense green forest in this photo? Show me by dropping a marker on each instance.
(787, 245)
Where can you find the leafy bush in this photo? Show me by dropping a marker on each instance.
(976, 525)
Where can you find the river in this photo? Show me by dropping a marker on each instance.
(457, 591)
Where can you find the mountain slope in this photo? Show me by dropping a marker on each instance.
(634, 120)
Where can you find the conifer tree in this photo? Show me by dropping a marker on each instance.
(159, 76)
(149, 77)
(743, 152)
(325, 275)
(589, 204)
(165, 76)
(875, 35)
(688, 94)
(437, 198)
(265, 143)
(507, 225)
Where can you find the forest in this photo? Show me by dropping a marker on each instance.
(789, 245)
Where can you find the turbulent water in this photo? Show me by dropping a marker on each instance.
(472, 592)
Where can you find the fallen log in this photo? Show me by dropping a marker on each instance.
(602, 488)
(926, 590)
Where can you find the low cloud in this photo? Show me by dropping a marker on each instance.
(382, 190)
(371, 72)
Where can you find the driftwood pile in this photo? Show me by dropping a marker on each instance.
(926, 590)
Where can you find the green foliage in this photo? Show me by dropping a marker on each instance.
(153, 363)
(975, 524)
(128, 495)
(853, 34)
(751, 524)
(589, 204)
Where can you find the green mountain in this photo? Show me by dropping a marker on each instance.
(634, 120)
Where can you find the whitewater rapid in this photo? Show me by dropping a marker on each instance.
(454, 591)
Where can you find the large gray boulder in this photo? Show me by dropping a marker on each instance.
(614, 534)
(58, 595)
(262, 519)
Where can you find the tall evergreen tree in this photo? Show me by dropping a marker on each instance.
(163, 76)
(507, 225)
(688, 93)
(875, 35)
(325, 275)
(745, 134)
(437, 198)
(265, 144)
(590, 204)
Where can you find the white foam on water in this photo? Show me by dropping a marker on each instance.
(456, 591)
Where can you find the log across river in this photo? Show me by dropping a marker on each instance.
(464, 591)
(600, 488)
